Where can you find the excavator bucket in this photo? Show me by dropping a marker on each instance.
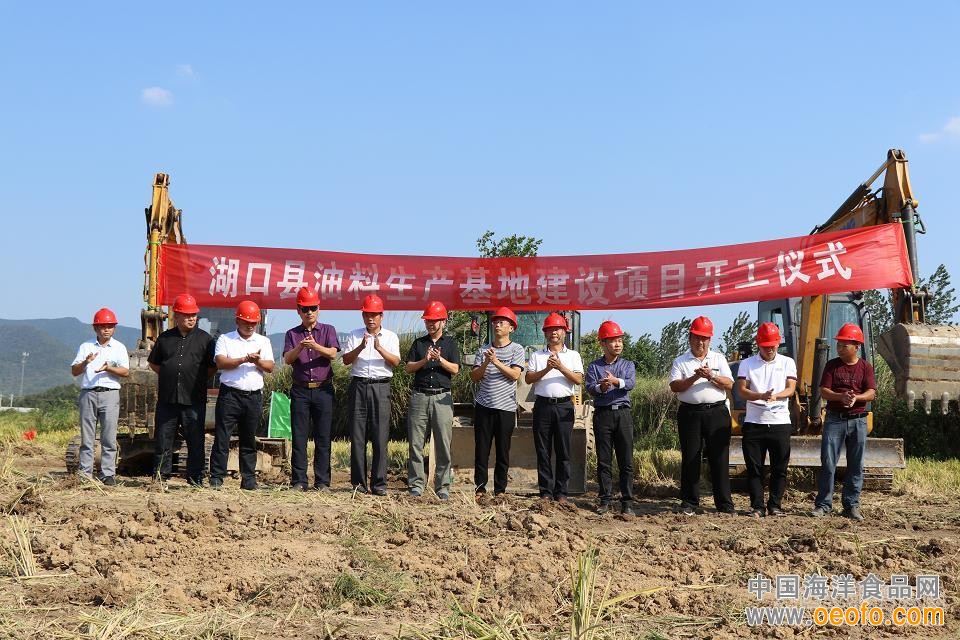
(925, 360)
(523, 454)
(881, 458)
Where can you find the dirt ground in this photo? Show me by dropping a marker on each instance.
(135, 561)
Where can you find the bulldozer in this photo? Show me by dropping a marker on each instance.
(138, 391)
(924, 358)
(523, 455)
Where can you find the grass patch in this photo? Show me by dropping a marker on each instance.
(925, 477)
(397, 455)
(20, 552)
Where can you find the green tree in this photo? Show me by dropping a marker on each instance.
(941, 308)
(509, 246)
(643, 352)
(742, 329)
(674, 340)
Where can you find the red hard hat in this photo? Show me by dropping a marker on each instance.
(185, 303)
(307, 297)
(609, 329)
(435, 311)
(248, 311)
(504, 312)
(702, 326)
(104, 316)
(372, 304)
(850, 332)
(768, 335)
(554, 320)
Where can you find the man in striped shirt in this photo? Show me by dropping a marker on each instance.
(496, 370)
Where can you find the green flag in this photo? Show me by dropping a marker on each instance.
(279, 416)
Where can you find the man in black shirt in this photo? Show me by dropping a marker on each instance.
(433, 360)
(183, 361)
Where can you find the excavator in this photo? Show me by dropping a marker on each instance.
(924, 358)
(138, 392)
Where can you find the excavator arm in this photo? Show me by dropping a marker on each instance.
(163, 226)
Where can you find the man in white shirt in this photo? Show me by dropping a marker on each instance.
(242, 356)
(554, 372)
(701, 379)
(767, 381)
(372, 352)
(101, 362)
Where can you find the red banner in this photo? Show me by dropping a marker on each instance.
(851, 260)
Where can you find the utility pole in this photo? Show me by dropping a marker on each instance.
(23, 364)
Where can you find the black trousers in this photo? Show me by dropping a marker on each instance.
(489, 426)
(552, 431)
(169, 417)
(705, 430)
(758, 440)
(369, 419)
(311, 416)
(240, 411)
(613, 431)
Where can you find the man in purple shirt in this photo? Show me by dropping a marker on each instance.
(309, 348)
(609, 380)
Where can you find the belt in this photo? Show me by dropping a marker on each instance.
(553, 400)
(241, 392)
(360, 380)
(613, 407)
(428, 391)
(100, 389)
(702, 406)
(312, 385)
(848, 416)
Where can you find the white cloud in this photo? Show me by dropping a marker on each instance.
(186, 71)
(949, 131)
(156, 97)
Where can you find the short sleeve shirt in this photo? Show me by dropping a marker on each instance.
(840, 377)
(310, 366)
(554, 384)
(370, 364)
(497, 391)
(702, 391)
(184, 361)
(246, 377)
(432, 375)
(768, 376)
(113, 353)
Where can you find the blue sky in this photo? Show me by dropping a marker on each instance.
(411, 128)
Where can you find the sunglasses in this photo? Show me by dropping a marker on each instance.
(308, 309)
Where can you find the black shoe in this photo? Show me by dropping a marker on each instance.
(775, 511)
(603, 508)
(299, 487)
(730, 511)
(379, 492)
(626, 509)
(853, 513)
(688, 509)
(248, 485)
(216, 484)
(196, 482)
(757, 513)
(322, 488)
(109, 481)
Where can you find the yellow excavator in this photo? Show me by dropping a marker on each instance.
(925, 359)
(138, 392)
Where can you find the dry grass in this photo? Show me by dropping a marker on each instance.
(20, 552)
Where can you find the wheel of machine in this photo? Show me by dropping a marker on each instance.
(72, 456)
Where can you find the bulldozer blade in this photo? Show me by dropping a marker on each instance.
(925, 361)
(881, 453)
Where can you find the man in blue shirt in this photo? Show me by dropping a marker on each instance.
(609, 380)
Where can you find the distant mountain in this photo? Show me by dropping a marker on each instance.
(52, 345)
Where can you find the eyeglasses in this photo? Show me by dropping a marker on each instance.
(309, 309)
